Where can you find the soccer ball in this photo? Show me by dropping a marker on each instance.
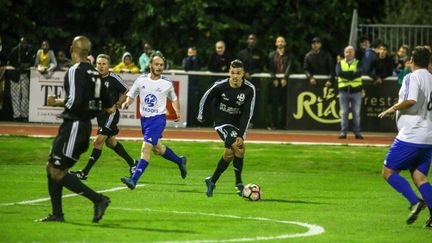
(252, 192)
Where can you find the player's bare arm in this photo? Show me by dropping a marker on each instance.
(176, 106)
(399, 106)
(121, 99)
(127, 103)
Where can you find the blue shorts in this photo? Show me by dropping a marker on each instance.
(152, 128)
(409, 156)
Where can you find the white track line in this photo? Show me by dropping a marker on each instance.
(248, 141)
(312, 229)
(64, 196)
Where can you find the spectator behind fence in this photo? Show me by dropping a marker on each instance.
(350, 92)
(254, 60)
(383, 66)
(400, 58)
(219, 61)
(192, 62)
(145, 56)
(3, 63)
(63, 63)
(405, 71)
(370, 55)
(21, 58)
(318, 62)
(126, 65)
(279, 62)
(364, 43)
(45, 61)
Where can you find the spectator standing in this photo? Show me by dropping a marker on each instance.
(370, 55)
(383, 66)
(364, 43)
(350, 91)
(400, 58)
(219, 61)
(318, 62)
(21, 58)
(126, 65)
(279, 62)
(63, 63)
(3, 64)
(145, 57)
(192, 62)
(45, 61)
(405, 71)
(254, 60)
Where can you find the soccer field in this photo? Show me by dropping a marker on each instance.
(311, 193)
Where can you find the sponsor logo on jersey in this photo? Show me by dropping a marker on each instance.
(150, 100)
(224, 96)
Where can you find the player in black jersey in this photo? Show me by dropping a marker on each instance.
(234, 101)
(107, 122)
(85, 98)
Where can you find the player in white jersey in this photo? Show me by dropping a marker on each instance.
(153, 89)
(412, 148)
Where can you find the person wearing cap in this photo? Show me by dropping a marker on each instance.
(126, 65)
(318, 62)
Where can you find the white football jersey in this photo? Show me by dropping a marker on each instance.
(153, 94)
(415, 123)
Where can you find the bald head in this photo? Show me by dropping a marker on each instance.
(81, 47)
(349, 53)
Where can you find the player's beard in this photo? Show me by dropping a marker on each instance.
(156, 73)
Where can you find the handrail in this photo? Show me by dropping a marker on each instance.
(255, 75)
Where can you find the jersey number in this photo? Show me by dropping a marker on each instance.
(429, 105)
(97, 82)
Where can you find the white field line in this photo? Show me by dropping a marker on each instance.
(64, 196)
(312, 229)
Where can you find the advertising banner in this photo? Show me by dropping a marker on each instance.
(317, 107)
(41, 86)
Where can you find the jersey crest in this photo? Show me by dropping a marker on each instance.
(240, 98)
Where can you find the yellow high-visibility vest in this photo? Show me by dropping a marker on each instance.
(342, 82)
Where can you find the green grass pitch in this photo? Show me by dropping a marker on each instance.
(338, 188)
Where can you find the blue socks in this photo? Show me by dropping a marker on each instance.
(142, 165)
(426, 192)
(171, 156)
(401, 185)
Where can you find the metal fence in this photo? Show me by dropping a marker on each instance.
(394, 35)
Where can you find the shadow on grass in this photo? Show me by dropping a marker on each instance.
(120, 226)
(290, 201)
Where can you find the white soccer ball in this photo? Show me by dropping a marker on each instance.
(252, 192)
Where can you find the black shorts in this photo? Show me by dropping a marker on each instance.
(72, 140)
(228, 134)
(108, 123)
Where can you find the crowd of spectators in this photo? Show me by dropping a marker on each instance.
(375, 59)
